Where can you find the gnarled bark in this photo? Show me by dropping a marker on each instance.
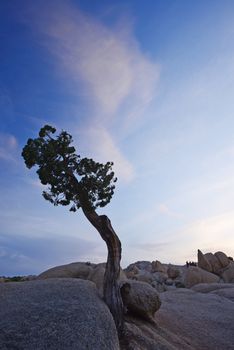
(111, 287)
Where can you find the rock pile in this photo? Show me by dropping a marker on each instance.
(139, 298)
(218, 264)
(63, 309)
(158, 275)
(212, 268)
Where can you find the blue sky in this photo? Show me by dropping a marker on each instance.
(148, 85)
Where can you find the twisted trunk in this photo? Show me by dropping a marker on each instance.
(111, 287)
(102, 223)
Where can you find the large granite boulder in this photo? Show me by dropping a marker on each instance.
(215, 263)
(86, 271)
(55, 314)
(141, 265)
(227, 293)
(97, 276)
(203, 321)
(195, 275)
(228, 273)
(173, 272)
(203, 263)
(210, 287)
(73, 270)
(140, 299)
(222, 258)
(157, 266)
(186, 321)
(143, 276)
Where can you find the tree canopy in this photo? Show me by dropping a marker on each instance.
(67, 175)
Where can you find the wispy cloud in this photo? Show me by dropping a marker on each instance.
(8, 147)
(108, 61)
(164, 209)
(103, 147)
(107, 68)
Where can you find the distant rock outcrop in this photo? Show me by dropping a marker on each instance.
(222, 258)
(217, 263)
(212, 268)
(203, 263)
(197, 275)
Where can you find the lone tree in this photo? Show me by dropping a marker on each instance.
(79, 183)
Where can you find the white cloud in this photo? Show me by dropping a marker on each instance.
(102, 146)
(109, 62)
(107, 69)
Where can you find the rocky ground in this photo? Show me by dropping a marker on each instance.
(167, 307)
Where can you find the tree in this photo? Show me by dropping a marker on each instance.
(79, 183)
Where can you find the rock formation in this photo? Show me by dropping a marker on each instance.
(140, 299)
(68, 313)
(55, 314)
(197, 275)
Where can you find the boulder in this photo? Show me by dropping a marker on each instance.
(156, 266)
(160, 287)
(203, 321)
(195, 275)
(144, 276)
(214, 262)
(169, 282)
(227, 293)
(222, 258)
(203, 263)
(210, 287)
(141, 335)
(73, 270)
(55, 314)
(228, 274)
(141, 265)
(159, 277)
(130, 273)
(173, 272)
(186, 321)
(140, 299)
(97, 276)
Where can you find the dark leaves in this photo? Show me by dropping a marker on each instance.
(65, 173)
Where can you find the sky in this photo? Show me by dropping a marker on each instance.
(148, 85)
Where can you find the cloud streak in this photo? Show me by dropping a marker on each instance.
(108, 61)
(102, 146)
(8, 147)
(107, 69)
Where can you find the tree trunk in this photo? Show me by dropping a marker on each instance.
(111, 287)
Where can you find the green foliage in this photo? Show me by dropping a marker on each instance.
(70, 179)
(14, 279)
